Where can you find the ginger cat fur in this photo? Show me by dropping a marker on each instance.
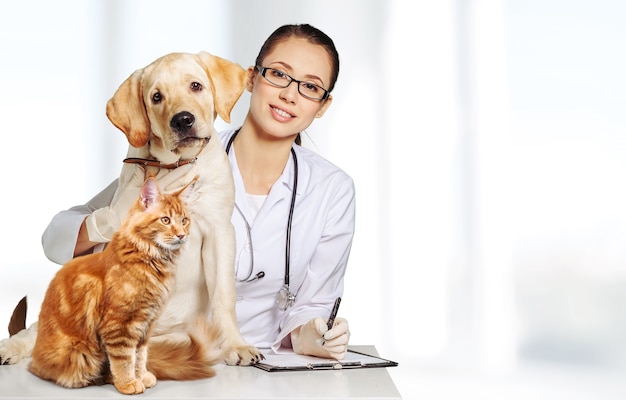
(98, 311)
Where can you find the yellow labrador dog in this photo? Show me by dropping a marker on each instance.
(167, 112)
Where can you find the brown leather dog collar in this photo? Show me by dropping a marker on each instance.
(155, 163)
(158, 164)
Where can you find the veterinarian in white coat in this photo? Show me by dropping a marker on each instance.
(290, 84)
(323, 226)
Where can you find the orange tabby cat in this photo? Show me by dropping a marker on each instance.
(98, 311)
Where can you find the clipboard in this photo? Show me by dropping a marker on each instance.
(296, 362)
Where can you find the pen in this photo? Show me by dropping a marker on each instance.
(333, 314)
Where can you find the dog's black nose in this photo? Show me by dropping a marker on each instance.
(182, 122)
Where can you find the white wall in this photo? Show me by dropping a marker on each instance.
(486, 140)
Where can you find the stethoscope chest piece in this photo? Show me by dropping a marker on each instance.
(284, 298)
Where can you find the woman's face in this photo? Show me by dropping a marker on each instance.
(284, 112)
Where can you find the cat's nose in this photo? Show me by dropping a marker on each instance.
(180, 237)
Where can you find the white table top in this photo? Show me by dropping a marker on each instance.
(229, 383)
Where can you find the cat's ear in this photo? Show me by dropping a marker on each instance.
(186, 193)
(150, 192)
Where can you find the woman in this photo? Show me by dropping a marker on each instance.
(290, 85)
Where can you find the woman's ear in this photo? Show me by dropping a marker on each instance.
(324, 107)
(250, 79)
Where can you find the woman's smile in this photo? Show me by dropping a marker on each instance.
(280, 114)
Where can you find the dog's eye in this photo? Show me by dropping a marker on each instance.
(196, 86)
(156, 98)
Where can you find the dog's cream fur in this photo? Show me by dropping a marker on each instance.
(143, 107)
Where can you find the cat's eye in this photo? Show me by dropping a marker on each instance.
(185, 221)
(165, 220)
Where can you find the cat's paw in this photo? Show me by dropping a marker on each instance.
(243, 355)
(148, 379)
(134, 386)
(17, 347)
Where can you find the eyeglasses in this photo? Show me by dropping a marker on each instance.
(280, 79)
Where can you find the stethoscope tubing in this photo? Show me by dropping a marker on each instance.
(249, 277)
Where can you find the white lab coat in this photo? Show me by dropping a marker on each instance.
(321, 238)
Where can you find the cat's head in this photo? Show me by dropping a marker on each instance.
(163, 219)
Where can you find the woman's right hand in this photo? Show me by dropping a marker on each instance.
(315, 339)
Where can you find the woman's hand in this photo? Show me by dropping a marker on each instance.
(315, 339)
(102, 223)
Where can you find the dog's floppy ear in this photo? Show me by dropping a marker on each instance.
(228, 79)
(127, 111)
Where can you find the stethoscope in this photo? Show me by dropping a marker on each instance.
(284, 297)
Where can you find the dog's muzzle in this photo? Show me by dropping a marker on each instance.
(184, 126)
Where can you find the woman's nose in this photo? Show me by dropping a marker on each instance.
(290, 93)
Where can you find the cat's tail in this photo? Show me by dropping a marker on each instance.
(185, 357)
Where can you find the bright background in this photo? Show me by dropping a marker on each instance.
(486, 140)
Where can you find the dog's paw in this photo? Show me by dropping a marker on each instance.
(243, 355)
(19, 346)
(12, 351)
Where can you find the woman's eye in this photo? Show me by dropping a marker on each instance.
(196, 86)
(165, 220)
(310, 87)
(279, 74)
(157, 98)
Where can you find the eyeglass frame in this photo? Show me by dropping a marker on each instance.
(263, 71)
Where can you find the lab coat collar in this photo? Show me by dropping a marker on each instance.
(280, 191)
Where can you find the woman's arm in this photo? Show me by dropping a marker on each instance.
(324, 279)
(76, 231)
(83, 244)
(66, 234)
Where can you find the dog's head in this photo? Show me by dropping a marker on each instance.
(173, 102)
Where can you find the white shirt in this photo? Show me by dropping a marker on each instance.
(255, 202)
(321, 238)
